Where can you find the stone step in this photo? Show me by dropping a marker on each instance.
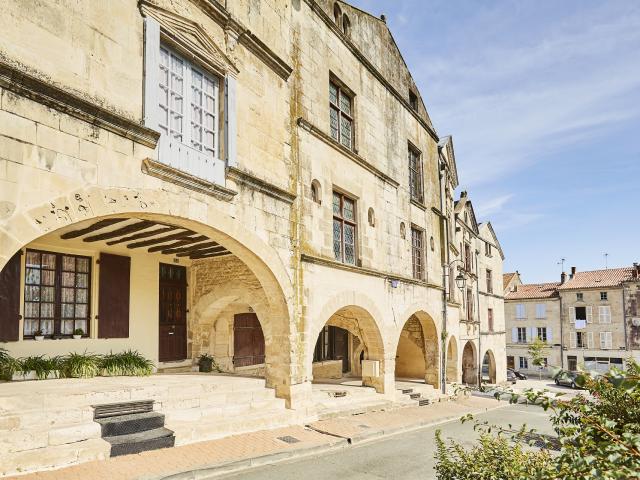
(224, 411)
(141, 441)
(43, 436)
(132, 423)
(414, 396)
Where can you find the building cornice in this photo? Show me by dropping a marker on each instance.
(317, 9)
(486, 294)
(245, 37)
(245, 178)
(319, 134)
(328, 262)
(185, 180)
(16, 80)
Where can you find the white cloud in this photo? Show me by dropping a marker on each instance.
(493, 205)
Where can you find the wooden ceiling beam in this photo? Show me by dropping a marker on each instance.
(179, 243)
(198, 251)
(154, 241)
(92, 228)
(146, 234)
(134, 227)
(210, 255)
(189, 248)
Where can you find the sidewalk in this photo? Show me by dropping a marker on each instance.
(207, 459)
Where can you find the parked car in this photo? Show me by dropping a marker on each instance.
(519, 375)
(511, 376)
(567, 378)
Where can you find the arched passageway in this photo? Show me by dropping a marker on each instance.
(489, 367)
(349, 344)
(452, 360)
(169, 287)
(469, 364)
(417, 351)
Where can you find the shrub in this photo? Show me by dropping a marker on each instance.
(126, 363)
(599, 436)
(41, 365)
(76, 365)
(8, 365)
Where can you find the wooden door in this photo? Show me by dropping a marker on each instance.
(10, 300)
(248, 340)
(172, 313)
(340, 341)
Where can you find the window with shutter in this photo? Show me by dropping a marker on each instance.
(113, 296)
(590, 340)
(572, 314)
(10, 299)
(573, 339)
(540, 310)
(604, 314)
(589, 314)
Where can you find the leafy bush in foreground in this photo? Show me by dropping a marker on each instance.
(599, 437)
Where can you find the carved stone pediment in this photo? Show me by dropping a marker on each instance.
(190, 37)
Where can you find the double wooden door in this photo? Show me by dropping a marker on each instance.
(173, 313)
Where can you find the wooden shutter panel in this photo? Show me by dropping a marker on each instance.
(113, 296)
(590, 340)
(549, 335)
(589, 314)
(514, 334)
(572, 314)
(10, 300)
(572, 339)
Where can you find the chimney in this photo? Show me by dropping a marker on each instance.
(563, 278)
(573, 272)
(636, 270)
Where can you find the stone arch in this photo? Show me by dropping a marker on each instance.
(469, 364)
(316, 191)
(176, 208)
(417, 350)
(452, 360)
(489, 367)
(357, 314)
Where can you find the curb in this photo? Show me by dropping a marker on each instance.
(218, 469)
(339, 443)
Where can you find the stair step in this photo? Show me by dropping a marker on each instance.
(141, 441)
(127, 424)
(424, 401)
(414, 396)
(406, 391)
(122, 408)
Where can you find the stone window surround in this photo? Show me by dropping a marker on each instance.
(342, 90)
(416, 173)
(418, 261)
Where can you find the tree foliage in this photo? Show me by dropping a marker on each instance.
(598, 433)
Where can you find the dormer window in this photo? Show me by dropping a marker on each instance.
(337, 13)
(346, 25)
(413, 100)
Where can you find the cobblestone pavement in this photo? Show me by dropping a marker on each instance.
(262, 447)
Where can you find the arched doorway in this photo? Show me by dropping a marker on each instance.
(469, 364)
(349, 338)
(452, 360)
(155, 283)
(489, 367)
(417, 351)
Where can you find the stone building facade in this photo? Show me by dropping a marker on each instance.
(587, 319)
(259, 181)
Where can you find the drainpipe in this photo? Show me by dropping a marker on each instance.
(624, 318)
(480, 360)
(444, 221)
(561, 335)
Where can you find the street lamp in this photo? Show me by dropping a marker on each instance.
(461, 282)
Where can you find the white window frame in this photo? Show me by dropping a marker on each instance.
(523, 363)
(541, 310)
(521, 311)
(522, 338)
(190, 73)
(604, 314)
(606, 340)
(543, 329)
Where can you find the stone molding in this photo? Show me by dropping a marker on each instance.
(245, 37)
(369, 66)
(15, 80)
(189, 37)
(494, 295)
(185, 180)
(245, 178)
(327, 262)
(419, 205)
(316, 132)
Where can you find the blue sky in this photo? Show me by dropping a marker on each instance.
(543, 101)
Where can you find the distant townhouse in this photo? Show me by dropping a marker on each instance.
(589, 319)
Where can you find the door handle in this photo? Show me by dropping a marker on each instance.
(172, 333)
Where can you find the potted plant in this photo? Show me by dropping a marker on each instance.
(38, 335)
(205, 363)
(78, 333)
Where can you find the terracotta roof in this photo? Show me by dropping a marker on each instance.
(611, 277)
(506, 278)
(534, 290)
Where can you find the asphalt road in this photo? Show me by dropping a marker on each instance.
(404, 456)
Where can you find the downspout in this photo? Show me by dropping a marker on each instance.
(479, 323)
(561, 335)
(444, 220)
(624, 319)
